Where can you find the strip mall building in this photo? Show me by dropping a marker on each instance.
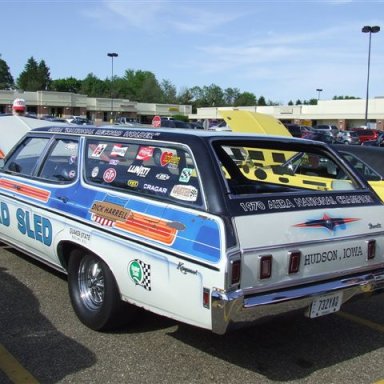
(345, 114)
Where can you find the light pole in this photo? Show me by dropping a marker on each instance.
(112, 55)
(370, 30)
(318, 93)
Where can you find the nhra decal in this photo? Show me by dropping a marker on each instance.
(25, 190)
(140, 273)
(327, 222)
(186, 232)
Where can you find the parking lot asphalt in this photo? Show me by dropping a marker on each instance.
(41, 339)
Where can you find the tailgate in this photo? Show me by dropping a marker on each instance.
(292, 248)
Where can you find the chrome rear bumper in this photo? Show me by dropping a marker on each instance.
(237, 309)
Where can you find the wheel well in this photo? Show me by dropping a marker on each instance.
(65, 249)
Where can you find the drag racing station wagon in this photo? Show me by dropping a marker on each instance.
(214, 229)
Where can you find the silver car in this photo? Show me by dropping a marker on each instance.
(347, 137)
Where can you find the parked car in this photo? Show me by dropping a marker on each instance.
(348, 137)
(378, 142)
(327, 127)
(366, 134)
(147, 215)
(318, 135)
(79, 120)
(294, 129)
(368, 162)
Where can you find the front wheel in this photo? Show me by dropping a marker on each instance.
(93, 291)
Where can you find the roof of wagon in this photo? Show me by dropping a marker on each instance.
(153, 133)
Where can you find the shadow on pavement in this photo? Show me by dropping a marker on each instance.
(43, 351)
(291, 347)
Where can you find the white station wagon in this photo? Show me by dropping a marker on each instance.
(214, 229)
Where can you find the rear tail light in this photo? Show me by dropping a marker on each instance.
(371, 252)
(265, 267)
(206, 297)
(235, 272)
(294, 261)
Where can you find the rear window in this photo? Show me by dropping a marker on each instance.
(271, 169)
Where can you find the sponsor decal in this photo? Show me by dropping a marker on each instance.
(168, 158)
(185, 175)
(155, 188)
(95, 172)
(109, 175)
(79, 235)
(185, 270)
(114, 162)
(72, 174)
(140, 273)
(132, 183)
(151, 228)
(162, 176)
(184, 192)
(327, 222)
(374, 226)
(119, 150)
(106, 213)
(138, 170)
(98, 151)
(145, 153)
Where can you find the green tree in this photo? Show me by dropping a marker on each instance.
(94, 87)
(231, 95)
(142, 86)
(6, 79)
(261, 101)
(69, 84)
(169, 92)
(35, 77)
(245, 99)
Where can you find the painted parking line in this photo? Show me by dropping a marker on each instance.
(379, 382)
(13, 369)
(360, 320)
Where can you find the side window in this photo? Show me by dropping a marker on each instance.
(167, 172)
(61, 162)
(25, 158)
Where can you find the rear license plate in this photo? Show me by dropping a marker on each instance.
(326, 304)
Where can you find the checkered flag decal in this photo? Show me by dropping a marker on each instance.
(146, 281)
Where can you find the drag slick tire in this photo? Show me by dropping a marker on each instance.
(93, 291)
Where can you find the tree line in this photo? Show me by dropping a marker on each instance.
(140, 86)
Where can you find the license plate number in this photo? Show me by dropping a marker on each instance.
(326, 304)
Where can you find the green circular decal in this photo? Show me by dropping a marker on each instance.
(135, 271)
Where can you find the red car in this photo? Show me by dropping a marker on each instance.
(366, 134)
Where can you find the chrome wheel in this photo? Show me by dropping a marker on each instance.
(91, 283)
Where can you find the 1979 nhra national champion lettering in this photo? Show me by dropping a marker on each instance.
(304, 202)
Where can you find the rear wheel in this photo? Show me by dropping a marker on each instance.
(93, 291)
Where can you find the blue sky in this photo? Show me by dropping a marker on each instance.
(282, 50)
